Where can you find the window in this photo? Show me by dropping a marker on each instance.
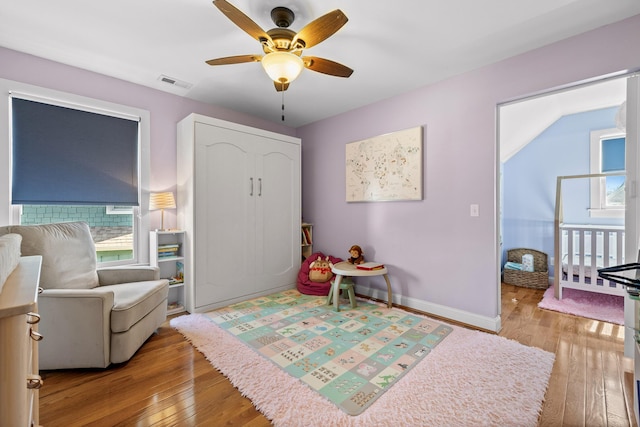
(112, 234)
(114, 212)
(608, 157)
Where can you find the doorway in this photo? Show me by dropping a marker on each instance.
(533, 134)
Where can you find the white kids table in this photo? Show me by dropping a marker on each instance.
(346, 269)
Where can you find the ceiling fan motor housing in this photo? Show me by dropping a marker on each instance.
(281, 38)
(282, 16)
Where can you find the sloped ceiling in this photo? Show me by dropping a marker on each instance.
(523, 121)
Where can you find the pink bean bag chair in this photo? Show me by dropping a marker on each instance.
(309, 287)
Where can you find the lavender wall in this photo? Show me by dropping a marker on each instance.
(438, 256)
(166, 109)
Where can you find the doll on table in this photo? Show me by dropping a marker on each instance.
(357, 256)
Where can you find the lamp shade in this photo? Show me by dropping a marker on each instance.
(161, 201)
(282, 67)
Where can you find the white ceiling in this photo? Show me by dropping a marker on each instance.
(394, 47)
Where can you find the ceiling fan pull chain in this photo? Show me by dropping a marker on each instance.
(282, 101)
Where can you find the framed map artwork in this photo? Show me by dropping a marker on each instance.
(386, 167)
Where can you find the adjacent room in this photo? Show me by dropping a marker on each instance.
(300, 214)
(583, 128)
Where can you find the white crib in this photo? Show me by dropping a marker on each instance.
(580, 250)
(584, 249)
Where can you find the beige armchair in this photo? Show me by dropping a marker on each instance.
(91, 317)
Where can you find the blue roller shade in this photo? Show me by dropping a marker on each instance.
(73, 157)
(613, 155)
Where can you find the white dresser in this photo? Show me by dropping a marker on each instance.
(19, 379)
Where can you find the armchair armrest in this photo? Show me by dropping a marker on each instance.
(76, 328)
(127, 274)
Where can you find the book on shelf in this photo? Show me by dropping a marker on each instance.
(304, 239)
(371, 265)
(179, 277)
(172, 247)
(307, 235)
(167, 254)
(168, 250)
(180, 270)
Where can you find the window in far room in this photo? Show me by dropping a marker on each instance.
(608, 157)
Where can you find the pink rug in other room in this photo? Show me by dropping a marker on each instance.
(608, 308)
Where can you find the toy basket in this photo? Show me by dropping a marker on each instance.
(538, 278)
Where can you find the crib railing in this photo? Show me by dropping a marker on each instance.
(584, 249)
(587, 248)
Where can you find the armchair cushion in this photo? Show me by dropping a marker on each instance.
(68, 253)
(126, 274)
(133, 301)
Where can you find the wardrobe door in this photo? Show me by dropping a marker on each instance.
(224, 218)
(277, 214)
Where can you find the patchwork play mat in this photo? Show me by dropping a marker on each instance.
(350, 357)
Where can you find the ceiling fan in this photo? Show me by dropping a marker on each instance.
(282, 59)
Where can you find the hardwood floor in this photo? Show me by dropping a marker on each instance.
(168, 383)
(592, 382)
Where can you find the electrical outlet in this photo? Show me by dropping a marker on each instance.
(475, 210)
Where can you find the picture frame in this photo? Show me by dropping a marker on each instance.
(385, 168)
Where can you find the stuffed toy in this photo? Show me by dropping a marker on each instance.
(308, 287)
(357, 256)
(320, 270)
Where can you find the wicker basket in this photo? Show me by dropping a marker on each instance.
(538, 278)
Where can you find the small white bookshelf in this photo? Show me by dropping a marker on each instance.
(167, 253)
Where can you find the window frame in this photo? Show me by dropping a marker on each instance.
(119, 210)
(597, 187)
(10, 214)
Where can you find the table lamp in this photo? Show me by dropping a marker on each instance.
(161, 201)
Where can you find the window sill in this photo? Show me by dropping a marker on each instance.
(606, 213)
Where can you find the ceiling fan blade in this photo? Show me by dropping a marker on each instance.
(320, 29)
(280, 87)
(326, 66)
(239, 59)
(243, 21)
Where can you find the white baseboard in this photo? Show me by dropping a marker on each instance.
(472, 319)
(492, 324)
(224, 303)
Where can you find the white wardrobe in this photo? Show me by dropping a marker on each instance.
(238, 200)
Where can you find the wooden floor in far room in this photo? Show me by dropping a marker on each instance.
(168, 383)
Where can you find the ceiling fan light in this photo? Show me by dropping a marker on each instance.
(282, 67)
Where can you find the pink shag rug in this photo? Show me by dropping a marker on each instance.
(470, 379)
(608, 308)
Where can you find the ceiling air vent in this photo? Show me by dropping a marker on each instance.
(174, 82)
